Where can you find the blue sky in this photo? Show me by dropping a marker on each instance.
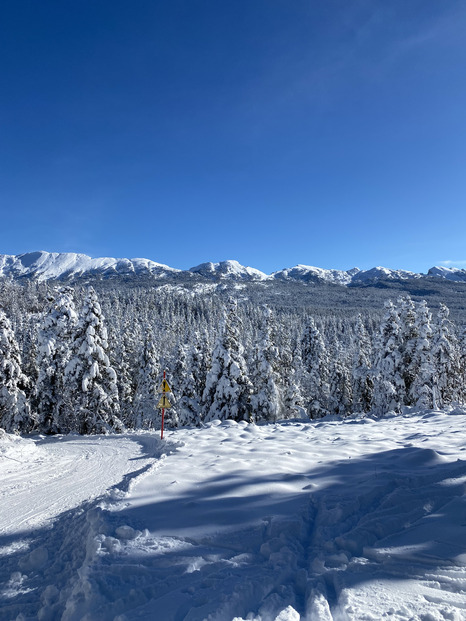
(274, 132)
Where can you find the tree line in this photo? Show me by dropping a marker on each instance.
(74, 360)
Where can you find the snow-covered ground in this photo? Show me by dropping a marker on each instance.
(346, 521)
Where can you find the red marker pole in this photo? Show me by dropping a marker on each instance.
(163, 410)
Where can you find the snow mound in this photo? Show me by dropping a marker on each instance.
(16, 448)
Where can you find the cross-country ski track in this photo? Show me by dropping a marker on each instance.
(326, 520)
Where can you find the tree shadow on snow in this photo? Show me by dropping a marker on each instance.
(230, 546)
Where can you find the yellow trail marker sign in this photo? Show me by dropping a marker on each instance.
(164, 387)
(164, 403)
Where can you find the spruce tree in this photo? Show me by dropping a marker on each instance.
(421, 389)
(126, 359)
(266, 401)
(341, 390)
(90, 380)
(445, 353)
(362, 377)
(228, 388)
(388, 380)
(53, 354)
(408, 336)
(289, 370)
(15, 412)
(146, 415)
(190, 378)
(316, 365)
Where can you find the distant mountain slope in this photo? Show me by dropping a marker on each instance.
(449, 273)
(66, 266)
(228, 269)
(70, 266)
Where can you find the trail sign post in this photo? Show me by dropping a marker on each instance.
(164, 403)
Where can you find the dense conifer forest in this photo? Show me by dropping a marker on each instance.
(89, 359)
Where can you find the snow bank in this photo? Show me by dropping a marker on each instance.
(16, 448)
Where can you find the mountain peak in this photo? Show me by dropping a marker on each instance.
(449, 273)
(42, 265)
(228, 269)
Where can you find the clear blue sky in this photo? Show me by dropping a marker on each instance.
(275, 132)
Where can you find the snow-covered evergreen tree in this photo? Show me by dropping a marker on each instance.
(126, 359)
(362, 376)
(190, 378)
(15, 412)
(388, 381)
(316, 366)
(290, 372)
(228, 388)
(341, 390)
(266, 400)
(421, 389)
(446, 360)
(91, 382)
(53, 354)
(145, 412)
(462, 348)
(408, 337)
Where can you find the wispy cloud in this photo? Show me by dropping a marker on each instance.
(453, 263)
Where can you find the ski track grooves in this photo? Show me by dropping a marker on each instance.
(54, 551)
(339, 545)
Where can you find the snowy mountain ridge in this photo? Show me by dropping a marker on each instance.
(67, 265)
(43, 266)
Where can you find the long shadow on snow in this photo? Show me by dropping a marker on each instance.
(258, 542)
(409, 498)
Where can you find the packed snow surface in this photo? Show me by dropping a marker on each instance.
(325, 520)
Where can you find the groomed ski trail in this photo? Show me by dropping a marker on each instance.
(51, 492)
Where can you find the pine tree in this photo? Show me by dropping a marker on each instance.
(228, 388)
(15, 413)
(90, 380)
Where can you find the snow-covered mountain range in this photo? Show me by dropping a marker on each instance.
(69, 266)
